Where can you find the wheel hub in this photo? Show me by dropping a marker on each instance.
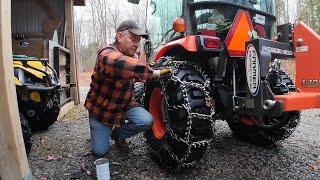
(159, 127)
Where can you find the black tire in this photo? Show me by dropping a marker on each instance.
(26, 132)
(283, 126)
(47, 118)
(186, 137)
(280, 82)
(139, 88)
(244, 130)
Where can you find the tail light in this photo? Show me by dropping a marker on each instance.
(210, 42)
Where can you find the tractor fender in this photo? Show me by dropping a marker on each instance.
(189, 43)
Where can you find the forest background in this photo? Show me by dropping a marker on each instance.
(95, 24)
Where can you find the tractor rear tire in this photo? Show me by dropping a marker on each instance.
(26, 132)
(139, 88)
(178, 140)
(245, 129)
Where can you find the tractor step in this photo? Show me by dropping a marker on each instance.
(299, 100)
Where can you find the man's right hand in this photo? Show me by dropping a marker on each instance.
(162, 72)
(156, 74)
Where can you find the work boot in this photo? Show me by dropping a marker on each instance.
(121, 142)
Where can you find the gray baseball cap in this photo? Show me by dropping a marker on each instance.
(132, 26)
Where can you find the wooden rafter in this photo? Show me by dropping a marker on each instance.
(79, 2)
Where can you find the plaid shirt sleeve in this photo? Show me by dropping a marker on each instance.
(116, 65)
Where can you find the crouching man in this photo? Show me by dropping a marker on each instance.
(110, 99)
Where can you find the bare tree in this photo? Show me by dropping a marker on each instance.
(100, 18)
(78, 29)
(309, 12)
(139, 13)
(94, 22)
(281, 12)
(114, 19)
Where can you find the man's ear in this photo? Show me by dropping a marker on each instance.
(119, 36)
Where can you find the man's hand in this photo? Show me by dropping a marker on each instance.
(156, 74)
(163, 73)
(151, 64)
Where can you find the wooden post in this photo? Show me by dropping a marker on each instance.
(70, 45)
(13, 159)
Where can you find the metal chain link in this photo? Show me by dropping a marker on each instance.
(286, 128)
(186, 105)
(275, 67)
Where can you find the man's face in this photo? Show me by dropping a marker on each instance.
(128, 42)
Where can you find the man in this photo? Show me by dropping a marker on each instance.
(110, 99)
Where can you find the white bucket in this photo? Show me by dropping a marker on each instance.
(102, 169)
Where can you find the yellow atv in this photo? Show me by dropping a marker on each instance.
(38, 87)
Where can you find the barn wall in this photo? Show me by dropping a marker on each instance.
(28, 17)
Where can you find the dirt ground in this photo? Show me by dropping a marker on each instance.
(84, 77)
(63, 152)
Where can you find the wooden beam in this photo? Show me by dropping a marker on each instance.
(79, 2)
(13, 159)
(65, 109)
(37, 48)
(70, 45)
(30, 35)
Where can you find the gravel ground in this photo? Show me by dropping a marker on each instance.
(60, 152)
(83, 92)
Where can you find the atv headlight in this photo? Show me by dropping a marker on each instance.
(35, 96)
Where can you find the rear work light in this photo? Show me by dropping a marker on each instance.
(210, 43)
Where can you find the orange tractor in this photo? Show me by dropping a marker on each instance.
(226, 61)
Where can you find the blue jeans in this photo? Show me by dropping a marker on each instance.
(139, 120)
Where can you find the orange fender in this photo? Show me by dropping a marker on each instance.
(188, 43)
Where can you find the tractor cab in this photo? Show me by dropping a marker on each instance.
(210, 18)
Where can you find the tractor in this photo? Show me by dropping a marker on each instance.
(225, 57)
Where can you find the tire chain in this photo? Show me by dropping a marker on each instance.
(286, 128)
(276, 67)
(186, 105)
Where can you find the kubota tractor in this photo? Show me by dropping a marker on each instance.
(225, 56)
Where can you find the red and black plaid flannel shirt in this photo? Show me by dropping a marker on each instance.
(111, 90)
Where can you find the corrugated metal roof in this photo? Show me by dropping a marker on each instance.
(28, 17)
